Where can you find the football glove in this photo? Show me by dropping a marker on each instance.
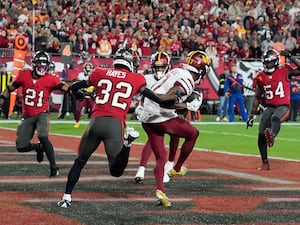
(138, 110)
(194, 105)
(250, 121)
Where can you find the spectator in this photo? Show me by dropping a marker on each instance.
(279, 36)
(165, 43)
(233, 12)
(246, 52)
(104, 48)
(256, 50)
(289, 41)
(176, 46)
(267, 44)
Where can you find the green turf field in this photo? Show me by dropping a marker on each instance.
(221, 136)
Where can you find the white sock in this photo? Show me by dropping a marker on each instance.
(67, 197)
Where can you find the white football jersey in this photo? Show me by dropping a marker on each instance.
(152, 112)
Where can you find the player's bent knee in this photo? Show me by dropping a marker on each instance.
(23, 149)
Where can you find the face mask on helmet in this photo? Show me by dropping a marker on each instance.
(270, 61)
(40, 63)
(160, 63)
(87, 68)
(125, 57)
(199, 63)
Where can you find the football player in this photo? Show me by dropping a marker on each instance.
(87, 101)
(273, 84)
(115, 89)
(158, 121)
(160, 65)
(37, 84)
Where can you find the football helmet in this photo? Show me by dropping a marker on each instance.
(41, 63)
(87, 68)
(198, 62)
(160, 64)
(128, 58)
(270, 60)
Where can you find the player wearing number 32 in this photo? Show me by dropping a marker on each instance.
(37, 85)
(115, 88)
(273, 83)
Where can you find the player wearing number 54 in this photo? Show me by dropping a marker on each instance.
(272, 83)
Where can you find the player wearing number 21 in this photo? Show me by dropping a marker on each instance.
(115, 88)
(273, 82)
(37, 85)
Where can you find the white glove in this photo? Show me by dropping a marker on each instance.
(138, 110)
(195, 104)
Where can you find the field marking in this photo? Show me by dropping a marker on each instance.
(138, 122)
(277, 188)
(61, 179)
(283, 199)
(109, 178)
(112, 199)
(248, 176)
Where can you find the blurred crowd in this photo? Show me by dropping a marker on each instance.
(225, 29)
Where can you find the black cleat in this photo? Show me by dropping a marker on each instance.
(54, 172)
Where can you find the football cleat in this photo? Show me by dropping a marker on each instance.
(54, 172)
(40, 153)
(139, 177)
(76, 125)
(130, 136)
(64, 203)
(265, 166)
(174, 173)
(270, 136)
(162, 199)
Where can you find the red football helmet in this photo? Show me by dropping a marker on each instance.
(160, 64)
(198, 62)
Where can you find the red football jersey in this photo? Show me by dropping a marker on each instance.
(276, 86)
(36, 92)
(114, 91)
